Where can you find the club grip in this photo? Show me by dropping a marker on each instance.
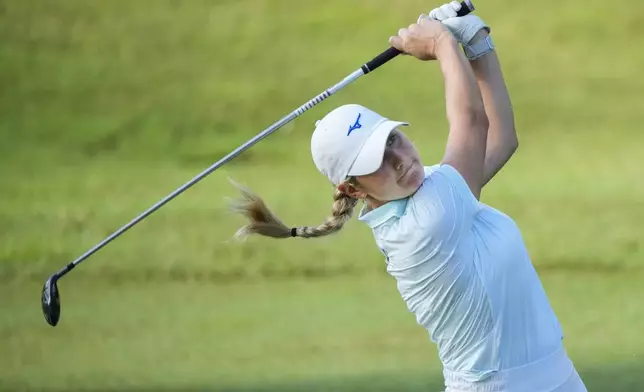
(390, 53)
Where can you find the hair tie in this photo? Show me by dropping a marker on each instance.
(294, 232)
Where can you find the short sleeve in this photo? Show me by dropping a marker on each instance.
(444, 204)
(459, 184)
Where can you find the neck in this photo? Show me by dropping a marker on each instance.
(372, 203)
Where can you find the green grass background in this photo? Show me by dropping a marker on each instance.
(106, 107)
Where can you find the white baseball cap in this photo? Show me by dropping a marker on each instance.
(350, 141)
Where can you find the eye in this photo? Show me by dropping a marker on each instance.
(392, 138)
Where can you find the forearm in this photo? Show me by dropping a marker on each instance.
(466, 143)
(502, 139)
(463, 100)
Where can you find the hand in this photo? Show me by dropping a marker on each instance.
(422, 40)
(466, 29)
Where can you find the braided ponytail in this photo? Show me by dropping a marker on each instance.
(265, 223)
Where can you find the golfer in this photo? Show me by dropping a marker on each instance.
(460, 265)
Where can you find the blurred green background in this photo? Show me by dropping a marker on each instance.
(106, 107)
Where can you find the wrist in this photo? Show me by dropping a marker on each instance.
(445, 45)
(479, 46)
(479, 36)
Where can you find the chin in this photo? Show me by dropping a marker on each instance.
(414, 179)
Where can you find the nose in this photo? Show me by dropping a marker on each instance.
(396, 159)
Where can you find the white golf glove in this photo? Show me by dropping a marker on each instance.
(464, 28)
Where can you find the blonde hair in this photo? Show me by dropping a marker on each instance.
(265, 223)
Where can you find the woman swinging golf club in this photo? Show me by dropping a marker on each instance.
(461, 266)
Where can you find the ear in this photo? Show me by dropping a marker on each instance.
(352, 191)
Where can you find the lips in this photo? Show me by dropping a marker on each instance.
(406, 171)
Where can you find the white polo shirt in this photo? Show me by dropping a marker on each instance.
(463, 270)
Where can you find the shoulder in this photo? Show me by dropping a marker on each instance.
(446, 175)
(443, 202)
(444, 183)
(434, 222)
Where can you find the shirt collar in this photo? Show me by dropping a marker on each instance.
(380, 215)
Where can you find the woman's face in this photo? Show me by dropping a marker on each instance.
(399, 176)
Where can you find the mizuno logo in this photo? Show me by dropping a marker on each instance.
(356, 125)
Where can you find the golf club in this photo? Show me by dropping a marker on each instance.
(50, 294)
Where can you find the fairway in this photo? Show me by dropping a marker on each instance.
(346, 333)
(107, 107)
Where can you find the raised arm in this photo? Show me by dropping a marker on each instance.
(502, 139)
(472, 32)
(465, 149)
(468, 123)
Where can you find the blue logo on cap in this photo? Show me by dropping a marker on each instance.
(356, 125)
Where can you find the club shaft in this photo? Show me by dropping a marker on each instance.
(366, 68)
(277, 125)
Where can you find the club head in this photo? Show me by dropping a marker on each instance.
(51, 301)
